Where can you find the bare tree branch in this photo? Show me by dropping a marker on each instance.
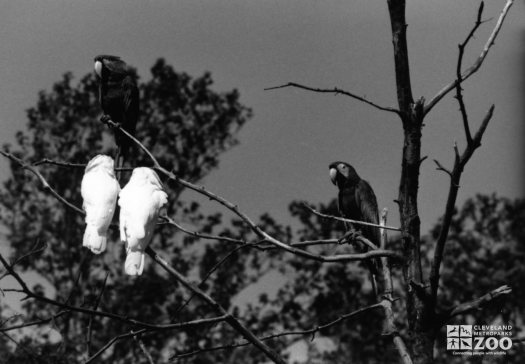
(210, 272)
(142, 347)
(95, 307)
(42, 180)
(169, 221)
(199, 322)
(34, 250)
(60, 164)
(459, 165)
(73, 165)
(392, 330)
(459, 95)
(396, 9)
(440, 167)
(30, 294)
(387, 299)
(108, 345)
(477, 64)
(478, 303)
(314, 211)
(336, 91)
(26, 350)
(257, 230)
(234, 323)
(310, 332)
(35, 323)
(306, 243)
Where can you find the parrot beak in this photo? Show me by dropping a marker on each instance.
(98, 68)
(333, 175)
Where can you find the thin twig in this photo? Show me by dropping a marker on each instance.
(210, 272)
(169, 221)
(34, 250)
(24, 348)
(77, 279)
(314, 211)
(440, 167)
(30, 294)
(142, 347)
(336, 91)
(95, 307)
(60, 164)
(256, 229)
(189, 324)
(459, 89)
(459, 165)
(477, 64)
(35, 323)
(114, 125)
(479, 302)
(310, 332)
(73, 165)
(305, 243)
(230, 319)
(42, 180)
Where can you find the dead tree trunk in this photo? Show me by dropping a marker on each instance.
(420, 338)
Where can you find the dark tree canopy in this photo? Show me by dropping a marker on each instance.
(487, 243)
(184, 122)
(323, 288)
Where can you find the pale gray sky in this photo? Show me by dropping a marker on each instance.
(287, 146)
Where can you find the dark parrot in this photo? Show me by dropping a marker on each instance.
(119, 98)
(357, 201)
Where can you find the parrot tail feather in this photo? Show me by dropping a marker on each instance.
(119, 162)
(134, 263)
(94, 240)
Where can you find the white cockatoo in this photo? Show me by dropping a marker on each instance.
(140, 201)
(99, 190)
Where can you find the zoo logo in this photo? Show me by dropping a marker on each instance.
(460, 337)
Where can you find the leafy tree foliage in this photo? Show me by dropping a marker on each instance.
(187, 126)
(486, 242)
(486, 250)
(185, 123)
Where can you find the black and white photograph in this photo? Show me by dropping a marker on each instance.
(257, 182)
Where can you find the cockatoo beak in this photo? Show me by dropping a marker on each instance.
(333, 175)
(98, 68)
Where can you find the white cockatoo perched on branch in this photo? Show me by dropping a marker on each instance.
(99, 190)
(140, 201)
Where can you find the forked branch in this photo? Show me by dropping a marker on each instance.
(249, 222)
(479, 61)
(455, 177)
(42, 180)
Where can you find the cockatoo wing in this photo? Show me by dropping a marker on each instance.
(134, 207)
(99, 191)
(140, 207)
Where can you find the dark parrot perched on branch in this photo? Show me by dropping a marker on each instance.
(119, 98)
(357, 201)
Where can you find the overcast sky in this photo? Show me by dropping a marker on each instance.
(249, 45)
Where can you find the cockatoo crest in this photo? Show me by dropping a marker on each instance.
(103, 162)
